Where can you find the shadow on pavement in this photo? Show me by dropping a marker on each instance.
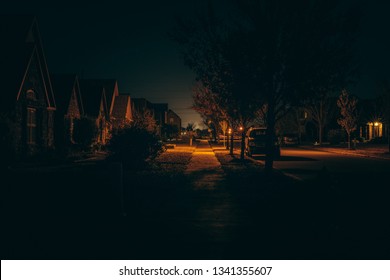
(284, 158)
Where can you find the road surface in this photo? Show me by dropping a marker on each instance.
(304, 164)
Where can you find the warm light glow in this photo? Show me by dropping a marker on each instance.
(230, 130)
(241, 128)
(376, 124)
(203, 153)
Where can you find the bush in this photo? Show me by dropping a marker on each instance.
(335, 136)
(85, 133)
(133, 146)
(379, 140)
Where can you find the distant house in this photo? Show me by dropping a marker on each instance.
(372, 119)
(160, 116)
(111, 91)
(143, 114)
(140, 105)
(121, 114)
(174, 121)
(27, 99)
(69, 107)
(95, 107)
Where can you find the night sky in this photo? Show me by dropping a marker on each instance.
(129, 42)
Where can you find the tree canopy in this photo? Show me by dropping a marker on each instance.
(270, 54)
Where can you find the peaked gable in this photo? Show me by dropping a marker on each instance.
(22, 46)
(67, 90)
(93, 96)
(122, 108)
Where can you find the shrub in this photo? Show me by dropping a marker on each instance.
(335, 136)
(84, 133)
(133, 145)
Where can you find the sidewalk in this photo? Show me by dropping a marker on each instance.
(204, 167)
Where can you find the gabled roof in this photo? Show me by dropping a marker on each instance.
(20, 42)
(173, 113)
(63, 87)
(160, 107)
(92, 93)
(109, 86)
(121, 104)
(141, 104)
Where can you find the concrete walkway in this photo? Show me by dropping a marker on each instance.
(204, 167)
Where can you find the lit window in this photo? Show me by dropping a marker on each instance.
(31, 125)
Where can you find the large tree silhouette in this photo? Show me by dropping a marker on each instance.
(272, 53)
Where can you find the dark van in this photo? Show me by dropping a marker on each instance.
(255, 139)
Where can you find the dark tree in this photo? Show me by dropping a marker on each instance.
(217, 54)
(85, 133)
(348, 111)
(144, 120)
(384, 103)
(272, 55)
(133, 146)
(320, 107)
(303, 48)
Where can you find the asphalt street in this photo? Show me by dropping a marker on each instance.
(305, 164)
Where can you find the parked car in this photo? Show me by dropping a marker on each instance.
(290, 139)
(255, 139)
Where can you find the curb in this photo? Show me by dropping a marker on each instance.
(292, 176)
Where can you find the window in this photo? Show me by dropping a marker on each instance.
(31, 125)
(30, 94)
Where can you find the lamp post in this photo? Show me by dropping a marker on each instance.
(242, 142)
(230, 132)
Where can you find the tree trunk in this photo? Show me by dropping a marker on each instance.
(320, 131)
(269, 144)
(227, 142)
(388, 133)
(242, 144)
(349, 140)
(320, 126)
(231, 143)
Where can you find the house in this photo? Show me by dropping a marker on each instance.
(121, 114)
(143, 114)
(69, 107)
(173, 121)
(111, 91)
(141, 105)
(27, 101)
(372, 119)
(160, 116)
(95, 107)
